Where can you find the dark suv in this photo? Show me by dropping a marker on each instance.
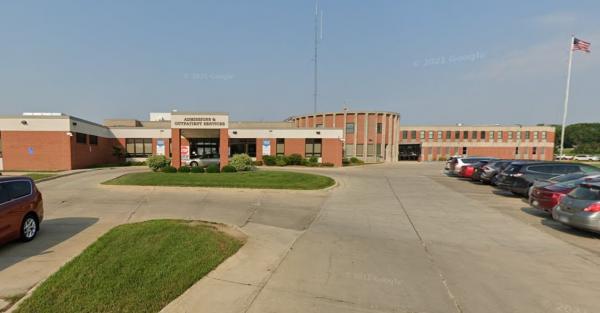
(518, 177)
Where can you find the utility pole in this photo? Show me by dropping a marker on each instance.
(318, 38)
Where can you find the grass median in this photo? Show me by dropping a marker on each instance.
(137, 267)
(254, 179)
(38, 176)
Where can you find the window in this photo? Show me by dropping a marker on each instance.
(510, 135)
(535, 135)
(405, 134)
(313, 147)
(440, 134)
(349, 128)
(18, 189)
(319, 126)
(80, 138)
(378, 149)
(349, 151)
(465, 135)
(457, 135)
(534, 150)
(93, 140)
(500, 135)
(448, 134)
(371, 149)
(138, 147)
(430, 134)
(359, 149)
(379, 128)
(527, 135)
(236, 146)
(518, 135)
(544, 135)
(464, 150)
(482, 134)
(422, 134)
(413, 134)
(280, 148)
(474, 135)
(4, 196)
(491, 135)
(517, 150)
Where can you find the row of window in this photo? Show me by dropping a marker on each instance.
(85, 138)
(350, 128)
(372, 150)
(464, 150)
(474, 135)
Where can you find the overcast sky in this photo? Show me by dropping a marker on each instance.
(434, 62)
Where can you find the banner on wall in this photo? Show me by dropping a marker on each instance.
(185, 153)
(160, 147)
(266, 147)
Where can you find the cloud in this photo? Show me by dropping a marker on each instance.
(555, 19)
(538, 60)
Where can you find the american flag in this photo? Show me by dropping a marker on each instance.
(579, 44)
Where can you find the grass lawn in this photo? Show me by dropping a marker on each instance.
(38, 176)
(255, 179)
(134, 268)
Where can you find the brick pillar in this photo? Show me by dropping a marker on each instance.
(259, 142)
(176, 142)
(224, 146)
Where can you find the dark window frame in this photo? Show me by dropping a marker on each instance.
(313, 142)
(81, 138)
(138, 154)
(93, 139)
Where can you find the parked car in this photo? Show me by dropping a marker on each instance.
(203, 160)
(596, 158)
(547, 197)
(563, 157)
(21, 209)
(580, 208)
(583, 157)
(520, 176)
(477, 169)
(487, 173)
(460, 162)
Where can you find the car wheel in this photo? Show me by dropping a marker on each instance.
(193, 164)
(29, 227)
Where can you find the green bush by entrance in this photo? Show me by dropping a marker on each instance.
(212, 168)
(229, 169)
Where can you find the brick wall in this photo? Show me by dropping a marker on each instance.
(332, 151)
(36, 150)
(85, 154)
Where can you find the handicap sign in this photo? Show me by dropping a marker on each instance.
(30, 150)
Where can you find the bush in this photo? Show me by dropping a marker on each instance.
(313, 159)
(442, 158)
(355, 160)
(157, 162)
(327, 164)
(281, 160)
(196, 169)
(229, 169)
(295, 159)
(269, 160)
(257, 163)
(345, 161)
(241, 162)
(168, 169)
(212, 168)
(184, 169)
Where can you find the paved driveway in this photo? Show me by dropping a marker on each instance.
(389, 238)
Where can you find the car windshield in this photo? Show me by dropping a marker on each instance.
(586, 192)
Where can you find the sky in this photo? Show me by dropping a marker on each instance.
(434, 62)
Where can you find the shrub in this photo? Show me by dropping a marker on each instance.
(442, 158)
(241, 162)
(313, 159)
(257, 163)
(212, 168)
(184, 169)
(295, 159)
(345, 161)
(355, 160)
(229, 169)
(196, 169)
(281, 160)
(269, 160)
(169, 169)
(327, 164)
(157, 162)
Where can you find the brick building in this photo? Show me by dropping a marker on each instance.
(53, 141)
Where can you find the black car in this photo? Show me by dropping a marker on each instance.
(519, 176)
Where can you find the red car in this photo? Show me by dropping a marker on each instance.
(21, 209)
(547, 197)
(467, 171)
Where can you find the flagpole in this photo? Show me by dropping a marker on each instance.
(564, 120)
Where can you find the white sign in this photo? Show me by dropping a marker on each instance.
(160, 147)
(200, 121)
(266, 147)
(185, 153)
